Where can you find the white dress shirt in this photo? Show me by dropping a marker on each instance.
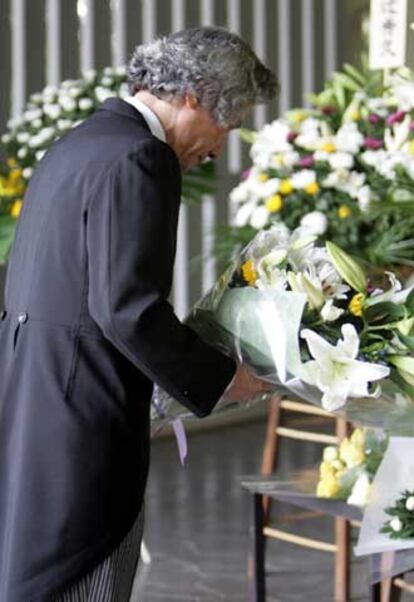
(150, 117)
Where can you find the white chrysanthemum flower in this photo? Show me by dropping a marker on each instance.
(108, 71)
(103, 93)
(240, 193)
(321, 155)
(15, 122)
(329, 312)
(22, 152)
(409, 504)
(290, 159)
(303, 178)
(64, 124)
(364, 198)
(377, 106)
(34, 142)
(335, 370)
(52, 110)
(341, 160)
(346, 181)
(27, 172)
(348, 138)
(315, 221)
(32, 114)
(259, 217)
(85, 104)
(67, 103)
(47, 133)
(396, 525)
(40, 154)
(243, 215)
(37, 123)
(75, 92)
(123, 90)
(69, 83)
(6, 138)
(23, 137)
(270, 140)
(120, 70)
(107, 81)
(49, 90)
(89, 75)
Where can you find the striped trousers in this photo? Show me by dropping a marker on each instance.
(112, 580)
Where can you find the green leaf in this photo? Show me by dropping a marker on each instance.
(7, 229)
(381, 311)
(347, 82)
(353, 72)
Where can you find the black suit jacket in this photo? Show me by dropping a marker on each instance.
(85, 331)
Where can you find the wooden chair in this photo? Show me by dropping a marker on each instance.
(277, 429)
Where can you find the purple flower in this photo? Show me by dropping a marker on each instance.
(373, 143)
(395, 117)
(291, 136)
(374, 119)
(412, 126)
(245, 174)
(307, 161)
(328, 110)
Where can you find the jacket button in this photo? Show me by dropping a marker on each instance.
(3, 314)
(22, 318)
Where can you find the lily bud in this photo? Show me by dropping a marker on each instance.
(350, 271)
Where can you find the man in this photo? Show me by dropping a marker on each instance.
(87, 328)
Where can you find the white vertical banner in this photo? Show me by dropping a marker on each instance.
(308, 63)
(388, 34)
(148, 20)
(53, 52)
(118, 32)
(234, 143)
(18, 56)
(284, 54)
(208, 208)
(85, 10)
(330, 37)
(259, 44)
(181, 272)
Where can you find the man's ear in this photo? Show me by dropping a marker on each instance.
(191, 101)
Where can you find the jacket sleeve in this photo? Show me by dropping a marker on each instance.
(131, 238)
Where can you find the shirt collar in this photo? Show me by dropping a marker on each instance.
(150, 117)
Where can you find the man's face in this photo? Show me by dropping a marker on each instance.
(197, 135)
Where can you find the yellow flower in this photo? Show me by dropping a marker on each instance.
(412, 147)
(328, 147)
(16, 208)
(330, 453)
(351, 454)
(312, 189)
(274, 203)
(328, 486)
(249, 273)
(298, 116)
(15, 174)
(326, 468)
(358, 437)
(286, 187)
(278, 160)
(262, 177)
(356, 304)
(356, 116)
(11, 162)
(344, 211)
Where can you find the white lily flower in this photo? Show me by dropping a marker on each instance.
(240, 193)
(303, 283)
(271, 139)
(364, 198)
(395, 294)
(335, 371)
(397, 135)
(243, 215)
(330, 313)
(348, 138)
(341, 160)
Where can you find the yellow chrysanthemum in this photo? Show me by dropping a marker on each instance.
(286, 187)
(312, 189)
(344, 211)
(351, 454)
(326, 468)
(328, 147)
(16, 208)
(262, 177)
(249, 273)
(15, 175)
(11, 162)
(356, 116)
(412, 147)
(356, 304)
(328, 486)
(298, 116)
(358, 437)
(274, 203)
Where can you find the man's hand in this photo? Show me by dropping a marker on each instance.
(245, 386)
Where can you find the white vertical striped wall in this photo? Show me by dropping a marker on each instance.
(266, 24)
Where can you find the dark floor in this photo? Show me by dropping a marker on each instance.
(197, 525)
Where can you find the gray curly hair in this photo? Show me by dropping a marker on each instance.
(213, 64)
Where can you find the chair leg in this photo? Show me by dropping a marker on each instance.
(257, 563)
(342, 531)
(270, 447)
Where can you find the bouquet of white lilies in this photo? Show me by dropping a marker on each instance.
(305, 317)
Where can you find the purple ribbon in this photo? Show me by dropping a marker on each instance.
(181, 438)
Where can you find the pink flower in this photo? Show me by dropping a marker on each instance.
(412, 126)
(395, 117)
(307, 161)
(373, 143)
(328, 110)
(373, 118)
(291, 136)
(245, 174)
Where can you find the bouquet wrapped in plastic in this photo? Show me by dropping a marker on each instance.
(303, 316)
